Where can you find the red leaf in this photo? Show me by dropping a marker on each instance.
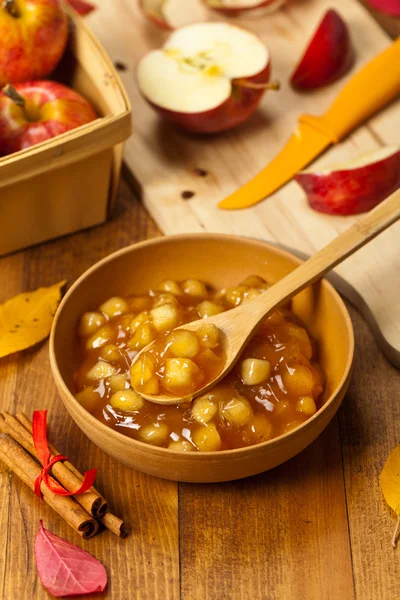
(391, 7)
(64, 569)
(82, 8)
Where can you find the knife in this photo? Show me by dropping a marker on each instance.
(374, 86)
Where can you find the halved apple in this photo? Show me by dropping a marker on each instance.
(328, 56)
(208, 77)
(233, 8)
(355, 187)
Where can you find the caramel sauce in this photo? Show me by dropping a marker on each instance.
(236, 412)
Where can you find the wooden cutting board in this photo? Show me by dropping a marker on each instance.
(164, 161)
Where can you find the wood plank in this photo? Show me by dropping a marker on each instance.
(11, 283)
(282, 534)
(146, 564)
(164, 160)
(369, 430)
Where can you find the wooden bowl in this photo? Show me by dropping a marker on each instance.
(221, 261)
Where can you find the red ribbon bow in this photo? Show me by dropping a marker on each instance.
(40, 441)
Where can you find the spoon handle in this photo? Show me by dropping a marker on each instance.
(361, 232)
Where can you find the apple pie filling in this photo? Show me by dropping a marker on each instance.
(275, 386)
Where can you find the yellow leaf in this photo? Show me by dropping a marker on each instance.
(26, 319)
(390, 484)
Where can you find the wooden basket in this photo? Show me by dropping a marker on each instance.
(68, 183)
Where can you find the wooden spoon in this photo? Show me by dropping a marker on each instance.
(238, 324)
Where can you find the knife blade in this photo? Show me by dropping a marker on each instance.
(374, 86)
(303, 146)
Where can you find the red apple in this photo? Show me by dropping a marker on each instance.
(35, 111)
(208, 77)
(355, 187)
(232, 8)
(328, 56)
(33, 36)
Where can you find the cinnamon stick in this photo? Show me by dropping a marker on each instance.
(27, 469)
(114, 524)
(91, 500)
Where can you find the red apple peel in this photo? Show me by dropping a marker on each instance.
(350, 190)
(252, 85)
(328, 56)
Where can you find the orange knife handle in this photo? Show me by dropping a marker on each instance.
(368, 91)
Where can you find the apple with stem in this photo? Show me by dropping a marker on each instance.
(354, 187)
(207, 78)
(35, 111)
(328, 56)
(33, 36)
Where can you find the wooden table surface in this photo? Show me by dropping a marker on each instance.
(313, 528)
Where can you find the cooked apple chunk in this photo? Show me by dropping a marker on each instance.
(101, 370)
(182, 343)
(181, 375)
(254, 371)
(207, 438)
(208, 309)
(165, 317)
(90, 322)
(155, 434)
(127, 400)
(238, 411)
(204, 409)
(114, 307)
